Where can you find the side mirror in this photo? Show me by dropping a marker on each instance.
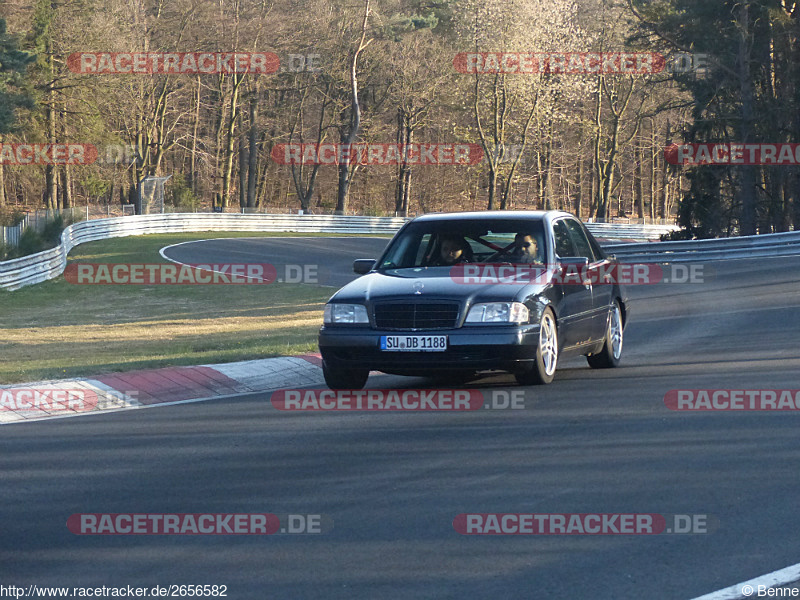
(580, 261)
(363, 265)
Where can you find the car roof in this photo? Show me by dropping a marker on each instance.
(495, 215)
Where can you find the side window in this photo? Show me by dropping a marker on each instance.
(598, 251)
(579, 238)
(564, 245)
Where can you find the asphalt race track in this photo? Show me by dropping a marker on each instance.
(330, 259)
(392, 482)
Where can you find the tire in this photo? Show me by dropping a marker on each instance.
(544, 368)
(610, 355)
(344, 379)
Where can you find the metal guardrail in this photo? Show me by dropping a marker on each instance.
(36, 268)
(18, 273)
(752, 246)
(630, 231)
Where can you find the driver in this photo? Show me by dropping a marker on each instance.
(526, 250)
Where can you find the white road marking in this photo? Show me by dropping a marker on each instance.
(774, 579)
(177, 262)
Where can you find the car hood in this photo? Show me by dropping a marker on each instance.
(437, 283)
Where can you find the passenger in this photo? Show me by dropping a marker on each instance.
(453, 251)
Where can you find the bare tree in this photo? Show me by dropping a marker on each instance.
(351, 125)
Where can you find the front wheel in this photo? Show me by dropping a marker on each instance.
(544, 368)
(611, 353)
(344, 379)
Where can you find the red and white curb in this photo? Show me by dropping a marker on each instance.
(137, 389)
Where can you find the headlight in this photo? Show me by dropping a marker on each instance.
(498, 312)
(345, 313)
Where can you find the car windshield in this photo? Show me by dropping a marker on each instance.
(445, 243)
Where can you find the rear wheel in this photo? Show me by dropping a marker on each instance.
(611, 353)
(544, 368)
(344, 379)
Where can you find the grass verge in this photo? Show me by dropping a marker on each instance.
(56, 330)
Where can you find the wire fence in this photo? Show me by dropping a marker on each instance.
(37, 220)
(9, 236)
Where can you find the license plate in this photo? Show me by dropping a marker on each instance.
(414, 343)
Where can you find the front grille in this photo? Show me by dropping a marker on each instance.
(405, 315)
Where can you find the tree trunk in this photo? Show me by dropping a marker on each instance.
(600, 213)
(252, 165)
(747, 191)
(348, 137)
(607, 171)
(638, 183)
(508, 183)
(160, 130)
(405, 135)
(112, 192)
(492, 186)
(243, 162)
(663, 197)
(581, 175)
(193, 160)
(227, 169)
(653, 163)
(305, 188)
(51, 187)
(592, 171)
(66, 187)
(264, 182)
(66, 173)
(220, 127)
(548, 173)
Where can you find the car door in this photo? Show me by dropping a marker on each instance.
(576, 311)
(602, 286)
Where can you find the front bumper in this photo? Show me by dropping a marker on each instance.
(485, 347)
